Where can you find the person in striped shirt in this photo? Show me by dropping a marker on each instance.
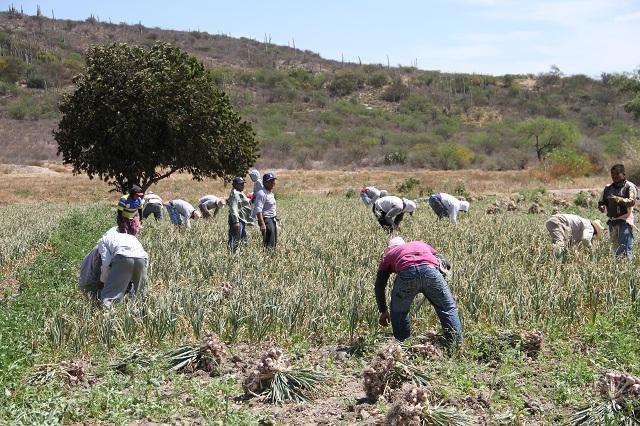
(130, 210)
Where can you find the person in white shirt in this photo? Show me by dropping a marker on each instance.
(181, 212)
(122, 262)
(390, 211)
(265, 207)
(257, 187)
(369, 194)
(569, 229)
(208, 203)
(152, 206)
(446, 205)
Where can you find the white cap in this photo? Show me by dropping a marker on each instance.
(384, 193)
(395, 241)
(464, 206)
(409, 206)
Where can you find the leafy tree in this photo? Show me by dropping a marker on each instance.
(632, 86)
(143, 114)
(549, 134)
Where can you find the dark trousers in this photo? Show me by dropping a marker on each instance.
(271, 235)
(236, 235)
(154, 209)
(435, 202)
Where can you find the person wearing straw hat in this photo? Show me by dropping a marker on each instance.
(390, 211)
(181, 212)
(570, 229)
(418, 270)
(446, 205)
(369, 194)
(208, 203)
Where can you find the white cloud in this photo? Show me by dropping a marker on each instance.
(635, 16)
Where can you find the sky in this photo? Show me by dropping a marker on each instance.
(472, 36)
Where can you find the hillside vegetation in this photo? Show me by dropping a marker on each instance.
(314, 113)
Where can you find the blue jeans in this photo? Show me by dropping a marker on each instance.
(236, 235)
(435, 202)
(428, 281)
(621, 235)
(175, 217)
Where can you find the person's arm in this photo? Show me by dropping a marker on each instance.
(453, 214)
(259, 206)
(105, 259)
(602, 203)
(391, 215)
(631, 200)
(381, 296)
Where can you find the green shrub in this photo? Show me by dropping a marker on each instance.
(395, 157)
(567, 162)
(396, 92)
(407, 185)
(378, 79)
(351, 193)
(534, 195)
(416, 103)
(345, 82)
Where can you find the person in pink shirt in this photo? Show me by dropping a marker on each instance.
(417, 269)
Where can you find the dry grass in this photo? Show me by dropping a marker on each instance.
(59, 185)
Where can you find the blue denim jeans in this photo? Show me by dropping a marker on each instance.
(236, 235)
(175, 217)
(435, 202)
(428, 281)
(622, 239)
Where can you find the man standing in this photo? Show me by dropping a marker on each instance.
(417, 270)
(152, 206)
(239, 213)
(570, 229)
(181, 212)
(444, 204)
(265, 205)
(208, 203)
(369, 194)
(130, 211)
(122, 263)
(618, 199)
(390, 211)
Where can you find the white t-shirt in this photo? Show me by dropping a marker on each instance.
(152, 198)
(452, 204)
(210, 201)
(114, 243)
(265, 203)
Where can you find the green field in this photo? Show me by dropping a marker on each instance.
(313, 297)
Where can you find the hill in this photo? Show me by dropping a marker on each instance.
(314, 113)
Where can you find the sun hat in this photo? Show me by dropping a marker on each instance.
(598, 229)
(409, 206)
(464, 206)
(395, 241)
(196, 214)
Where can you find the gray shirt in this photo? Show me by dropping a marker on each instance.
(265, 203)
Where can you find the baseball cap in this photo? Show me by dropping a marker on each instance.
(268, 177)
(135, 189)
(238, 179)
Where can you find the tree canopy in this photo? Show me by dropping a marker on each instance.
(549, 134)
(140, 115)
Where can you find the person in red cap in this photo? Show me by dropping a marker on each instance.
(130, 211)
(265, 208)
